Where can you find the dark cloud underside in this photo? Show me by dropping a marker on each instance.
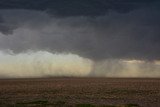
(96, 29)
(76, 7)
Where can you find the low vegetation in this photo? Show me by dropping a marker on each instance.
(80, 92)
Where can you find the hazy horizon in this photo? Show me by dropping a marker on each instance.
(79, 38)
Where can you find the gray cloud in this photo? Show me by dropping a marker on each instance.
(121, 41)
(4, 28)
(133, 35)
(77, 7)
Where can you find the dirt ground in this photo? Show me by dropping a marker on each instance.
(80, 92)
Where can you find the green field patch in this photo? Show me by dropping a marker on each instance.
(40, 103)
(60, 103)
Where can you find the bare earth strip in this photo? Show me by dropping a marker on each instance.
(80, 92)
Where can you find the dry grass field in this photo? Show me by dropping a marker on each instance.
(80, 92)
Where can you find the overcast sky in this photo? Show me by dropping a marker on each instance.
(94, 37)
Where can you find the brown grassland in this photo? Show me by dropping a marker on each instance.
(80, 92)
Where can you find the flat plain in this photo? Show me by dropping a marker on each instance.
(80, 92)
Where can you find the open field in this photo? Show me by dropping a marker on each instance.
(80, 92)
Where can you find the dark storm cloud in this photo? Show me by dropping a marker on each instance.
(63, 8)
(76, 7)
(5, 28)
(129, 30)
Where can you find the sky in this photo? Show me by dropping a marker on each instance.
(79, 38)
